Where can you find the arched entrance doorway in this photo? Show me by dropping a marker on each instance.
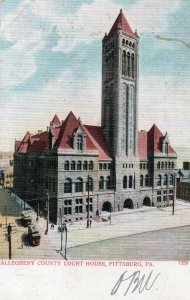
(146, 201)
(106, 206)
(128, 204)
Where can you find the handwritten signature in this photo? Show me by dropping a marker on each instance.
(135, 282)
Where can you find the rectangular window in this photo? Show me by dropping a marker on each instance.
(46, 182)
(159, 197)
(54, 185)
(100, 166)
(164, 195)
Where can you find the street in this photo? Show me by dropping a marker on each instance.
(165, 244)
(143, 234)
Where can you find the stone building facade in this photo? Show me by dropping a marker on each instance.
(84, 169)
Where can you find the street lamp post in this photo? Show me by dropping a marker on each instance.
(9, 230)
(88, 206)
(174, 194)
(64, 228)
(47, 212)
(110, 213)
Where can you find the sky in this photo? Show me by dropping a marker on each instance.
(50, 55)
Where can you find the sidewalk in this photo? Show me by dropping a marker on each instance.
(124, 225)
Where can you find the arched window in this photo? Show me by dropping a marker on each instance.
(141, 180)
(165, 181)
(73, 165)
(162, 165)
(108, 182)
(89, 184)
(171, 179)
(79, 142)
(68, 185)
(124, 63)
(172, 165)
(146, 180)
(159, 165)
(66, 166)
(130, 181)
(133, 65)
(101, 183)
(159, 180)
(128, 64)
(79, 165)
(125, 182)
(166, 165)
(91, 165)
(85, 165)
(169, 165)
(79, 185)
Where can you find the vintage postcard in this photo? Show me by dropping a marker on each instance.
(94, 149)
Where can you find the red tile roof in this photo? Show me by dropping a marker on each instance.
(148, 142)
(33, 143)
(56, 122)
(121, 23)
(96, 135)
(69, 126)
(142, 145)
(151, 143)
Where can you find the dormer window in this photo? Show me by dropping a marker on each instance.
(165, 144)
(79, 142)
(166, 148)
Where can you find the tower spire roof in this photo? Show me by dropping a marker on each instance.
(121, 23)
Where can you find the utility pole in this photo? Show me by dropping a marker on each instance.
(9, 229)
(174, 195)
(88, 206)
(65, 241)
(38, 210)
(110, 213)
(6, 212)
(60, 213)
(47, 212)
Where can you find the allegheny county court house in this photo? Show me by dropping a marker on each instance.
(117, 165)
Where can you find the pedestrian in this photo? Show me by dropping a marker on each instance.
(87, 223)
(90, 222)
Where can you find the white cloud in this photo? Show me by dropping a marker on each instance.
(29, 26)
(165, 101)
(31, 111)
(152, 16)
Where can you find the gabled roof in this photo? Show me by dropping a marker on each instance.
(25, 143)
(155, 138)
(96, 135)
(93, 134)
(33, 143)
(56, 122)
(67, 129)
(121, 23)
(151, 143)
